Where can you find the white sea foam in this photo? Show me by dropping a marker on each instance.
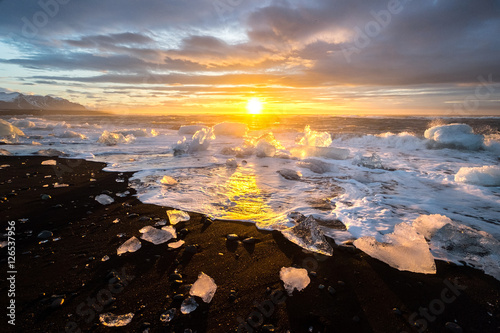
(488, 175)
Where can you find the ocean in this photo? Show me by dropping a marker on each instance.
(403, 187)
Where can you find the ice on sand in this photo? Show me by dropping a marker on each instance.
(167, 180)
(111, 320)
(188, 305)
(308, 235)
(204, 287)
(131, 245)
(176, 245)
(294, 278)
(175, 216)
(157, 236)
(404, 249)
(49, 162)
(104, 199)
(488, 175)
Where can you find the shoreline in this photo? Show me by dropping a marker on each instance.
(366, 295)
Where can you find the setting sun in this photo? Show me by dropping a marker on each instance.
(254, 106)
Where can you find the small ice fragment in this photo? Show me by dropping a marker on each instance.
(294, 278)
(188, 305)
(176, 245)
(176, 216)
(308, 235)
(3, 244)
(123, 195)
(49, 162)
(117, 220)
(231, 163)
(104, 199)
(131, 245)
(92, 179)
(56, 239)
(57, 185)
(171, 230)
(119, 180)
(105, 258)
(45, 234)
(111, 320)
(167, 180)
(156, 236)
(290, 174)
(204, 287)
(405, 249)
(120, 235)
(372, 162)
(168, 315)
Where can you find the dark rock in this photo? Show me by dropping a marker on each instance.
(331, 290)
(45, 234)
(232, 237)
(58, 302)
(453, 327)
(175, 276)
(356, 319)
(313, 274)
(45, 197)
(250, 240)
(191, 249)
(268, 328)
(321, 287)
(132, 215)
(178, 297)
(397, 312)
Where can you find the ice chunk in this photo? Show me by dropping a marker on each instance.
(483, 176)
(176, 245)
(188, 305)
(104, 199)
(71, 135)
(201, 140)
(372, 162)
(325, 152)
(290, 174)
(231, 129)
(294, 278)
(427, 225)
(131, 245)
(181, 147)
(404, 249)
(135, 132)
(459, 136)
(171, 230)
(315, 165)
(175, 216)
(112, 139)
(267, 146)
(156, 236)
(9, 130)
(49, 162)
(204, 287)
(111, 320)
(4, 152)
(168, 315)
(315, 139)
(308, 235)
(167, 180)
(190, 129)
(231, 163)
(50, 152)
(24, 123)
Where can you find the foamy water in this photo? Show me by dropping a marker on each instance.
(370, 173)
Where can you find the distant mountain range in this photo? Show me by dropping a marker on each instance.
(18, 101)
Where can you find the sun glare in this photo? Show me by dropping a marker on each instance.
(254, 106)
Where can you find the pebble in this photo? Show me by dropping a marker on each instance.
(250, 240)
(232, 237)
(178, 297)
(453, 327)
(331, 290)
(313, 274)
(132, 215)
(397, 312)
(356, 319)
(191, 249)
(321, 287)
(175, 276)
(268, 328)
(58, 302)
(45, 234)
(45, 197)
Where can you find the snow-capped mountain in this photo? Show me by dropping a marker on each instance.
(19, 101)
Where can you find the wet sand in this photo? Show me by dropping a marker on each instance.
(349, 292)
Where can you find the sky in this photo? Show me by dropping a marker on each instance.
(339, 57)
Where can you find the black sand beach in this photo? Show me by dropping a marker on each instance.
(62, 285)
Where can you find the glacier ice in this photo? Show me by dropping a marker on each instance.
(404, 249)
(131, 245)
(459, 136)
(294, 278)
(49, 162)
(175, 216)
(167, 180)
(308, 235)
(156, 236)
(104, 199)
(112, 139)
(204, 288)
(111, 320)
(9, 130)
(188, 305)
(315, 165)
(290, 174)
(488, 175)
(315, 139)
